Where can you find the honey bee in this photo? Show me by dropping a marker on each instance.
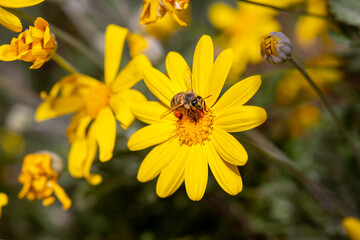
(187, 102)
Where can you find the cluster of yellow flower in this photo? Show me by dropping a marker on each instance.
(194, 137)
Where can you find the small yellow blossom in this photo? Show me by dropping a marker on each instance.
(166, 26)
(241, 30)
(352, 227)
(36, 45)
(308, 28)
(152, 10)
(8, 19)
(187, 146)
(3, 201)
(323, 71)
(39, 176)
(97, 105)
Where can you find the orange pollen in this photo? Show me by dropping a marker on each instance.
(268, 45)
(97, 99)
(191, 132)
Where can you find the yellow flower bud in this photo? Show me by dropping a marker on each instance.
(275, 48)
(36, 45)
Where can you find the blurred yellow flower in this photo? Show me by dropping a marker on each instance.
(323, 71)
(3, 201)
(8, 19)
(188, 145)
(97, 105)
(36, 45)
(152, 10)
(302, 118)
(352, 227)
(12, 143)
(164, 27)
(39, 176)
(308, 28)
(241, 30)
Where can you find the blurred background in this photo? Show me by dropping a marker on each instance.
(274, 204)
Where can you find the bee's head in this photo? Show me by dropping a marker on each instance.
(197, 102)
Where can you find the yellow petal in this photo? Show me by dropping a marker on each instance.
(105, 132)
(239, 93)
(308, 28)
(149, 11)
(157, 159)
(176, 67)
(60, 106)
(8, 53)
(238, 119)
(114, 42)
(3, 199)
(9, 20)
(221, 15)
(218, 75)
(48, 201)
(19, 3)
(61, 195)
(151, 135)
(352, 227)
(159, 85)
(150, 112)
(226, 174)
(77, 154)
(121, 105)
(229, 148)
(196, 172)
(202, 65)
(173, 175)
(132, 73)
(38, 63)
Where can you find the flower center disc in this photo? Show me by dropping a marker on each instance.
(191, 132)
(97, 99)
(268, 45)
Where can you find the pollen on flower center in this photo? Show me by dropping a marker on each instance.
(97, 98)
(191, 132)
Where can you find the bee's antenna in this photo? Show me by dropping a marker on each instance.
(207, 96)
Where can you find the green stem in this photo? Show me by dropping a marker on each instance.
(259, 143)
(337, 121)
(64, 64)
(297, 12)
(60, 34)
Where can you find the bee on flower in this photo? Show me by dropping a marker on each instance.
(152, 10)
(96, 105)
(8, 19)
(190, 127)
(39, 176)
(36, 44)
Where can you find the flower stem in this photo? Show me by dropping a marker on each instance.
(259, 143)
(297, 12)
(64, 64)
(328, 107)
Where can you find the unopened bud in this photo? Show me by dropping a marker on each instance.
(276, 48)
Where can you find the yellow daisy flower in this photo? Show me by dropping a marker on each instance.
(8, 19)
(97, 105)
(152, 10)
(352, 227)
(188, 144)
(36, 45)
(3, 201)
(39, 175)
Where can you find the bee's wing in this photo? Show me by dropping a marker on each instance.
(167, 112)
(188, 78)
